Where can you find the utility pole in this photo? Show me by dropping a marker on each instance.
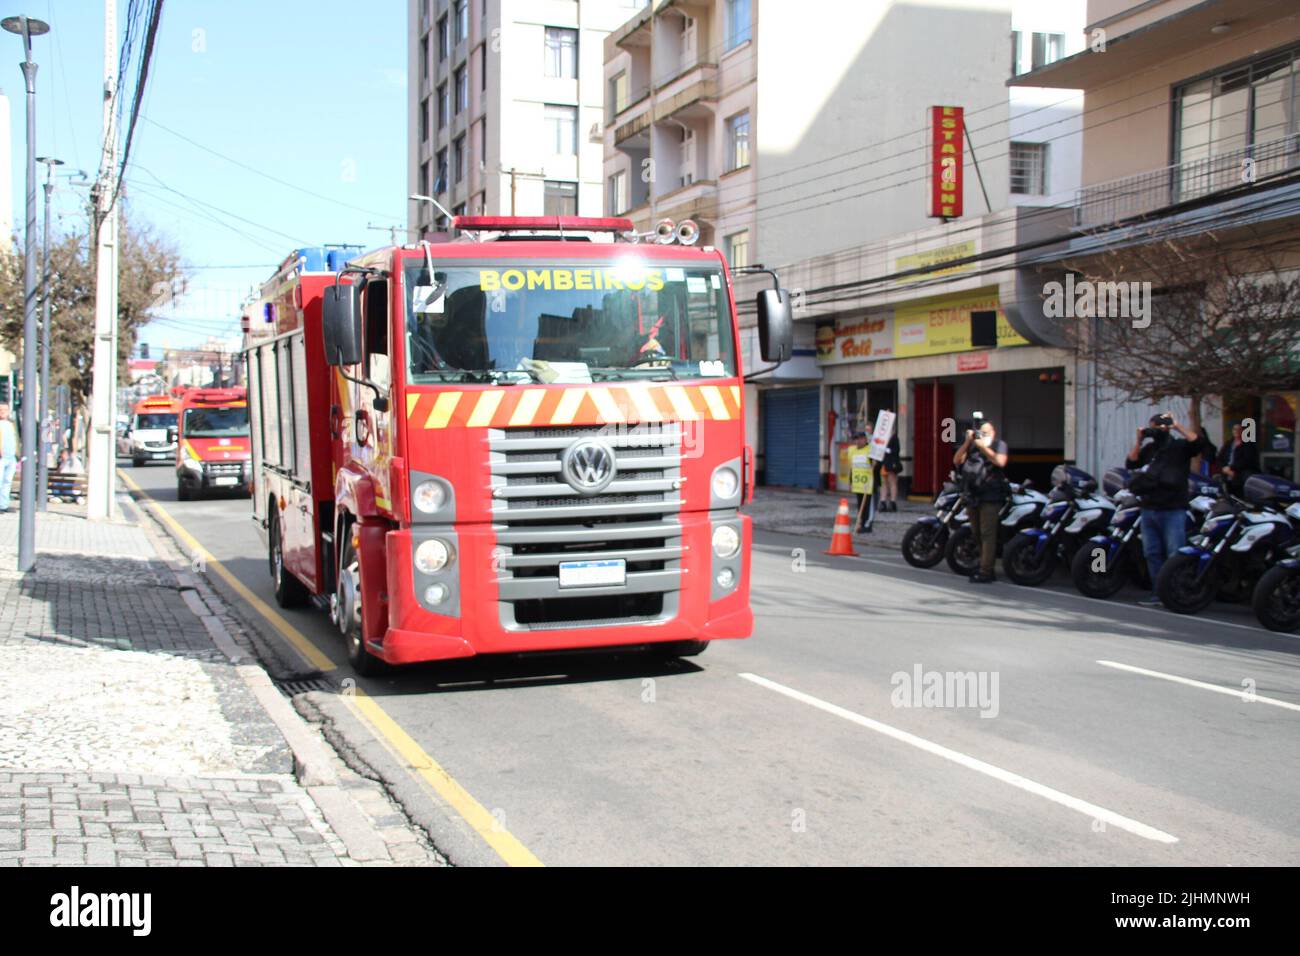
(102, 452)
(43, 493)
(26, 27)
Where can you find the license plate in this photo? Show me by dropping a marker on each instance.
(225, 481)
(585, 574)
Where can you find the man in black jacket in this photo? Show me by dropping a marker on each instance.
(1162, 487)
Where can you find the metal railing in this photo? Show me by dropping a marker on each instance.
(1146, 192)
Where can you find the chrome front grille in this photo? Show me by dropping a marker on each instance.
(225, 467)
(540, 521)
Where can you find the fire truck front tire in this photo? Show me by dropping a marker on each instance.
(289, 591)
(182, 490)
(346, 610)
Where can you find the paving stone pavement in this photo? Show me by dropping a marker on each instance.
(808, 512)
(127, 737)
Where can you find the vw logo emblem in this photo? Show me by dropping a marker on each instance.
(588, 466)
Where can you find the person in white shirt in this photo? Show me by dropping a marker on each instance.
(8, 455)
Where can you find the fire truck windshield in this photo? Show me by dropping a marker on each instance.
(216, 422)
(520, 322)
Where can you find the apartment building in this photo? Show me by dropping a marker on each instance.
(505, 101)
(1191, 130)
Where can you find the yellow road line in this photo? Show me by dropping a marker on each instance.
(471, 811)
(290, 633)
(506, 846)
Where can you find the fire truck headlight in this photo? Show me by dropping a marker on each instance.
(726, 483)
(726, 578)
(189, 459)
(726, 542)
(429, 497)
(432, 556)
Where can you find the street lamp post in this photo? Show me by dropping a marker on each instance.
(44, 493)
(27, 27)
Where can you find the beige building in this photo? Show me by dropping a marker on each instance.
(505, 105)
(1192, 128)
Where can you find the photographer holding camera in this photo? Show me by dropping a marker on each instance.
(1163, 466)
(981, 459)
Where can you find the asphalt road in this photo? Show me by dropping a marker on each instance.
(799, 745)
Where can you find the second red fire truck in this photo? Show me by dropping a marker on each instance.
(212, 448)
(530, 438)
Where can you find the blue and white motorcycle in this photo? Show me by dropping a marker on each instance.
(1111, 559)
(1075, 511)
(1236, 545)
(1020, 511)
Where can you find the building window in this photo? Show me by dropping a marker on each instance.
(1245, 107)
(424, 119)
(562, 53)
(482, 64)
(618, 193)
(444, 105)
(562, 129)
(738, 23)
(1017, 52)
(561, 199)
(687, 158)
(462, 20)
(1029, 169)
(424, 57)
(440, 186)
(462, 89)
(424, 179)
(617, 94)
(458, 157)
(738, 141)
(482, 142)
(738, 250)
(1048, 48)
(444, 38)
(458, 210)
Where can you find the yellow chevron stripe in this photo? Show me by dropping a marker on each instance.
(606, 405)
(681, 403)
(443, 409)
(646, 408)
(713, 398)
(411, 402)
(570, 401)
(485, 409)
(529, 402)
(735, 394)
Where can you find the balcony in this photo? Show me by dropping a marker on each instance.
(1133, 196)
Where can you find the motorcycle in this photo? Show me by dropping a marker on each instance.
(923, 544)
(1277, 595)
(1111, 559)
(1020, 511)
(1074, 512)
(1236, 544)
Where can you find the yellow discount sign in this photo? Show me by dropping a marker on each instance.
(569, 280)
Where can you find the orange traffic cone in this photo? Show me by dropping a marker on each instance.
(842, 536)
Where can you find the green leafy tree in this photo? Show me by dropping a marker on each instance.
(149, 265)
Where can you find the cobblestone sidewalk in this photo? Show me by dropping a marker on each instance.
(127, 736)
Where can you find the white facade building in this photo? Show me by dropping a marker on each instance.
(505, 102)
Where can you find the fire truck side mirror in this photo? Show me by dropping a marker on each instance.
(342, 325)
(775, 325)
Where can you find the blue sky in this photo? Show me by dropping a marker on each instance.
(313, 94)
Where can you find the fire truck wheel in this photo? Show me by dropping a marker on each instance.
(347, 610)
(289, 591)
(681, 648)
(182, 491)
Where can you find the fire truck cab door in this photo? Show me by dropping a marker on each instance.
(372, 432)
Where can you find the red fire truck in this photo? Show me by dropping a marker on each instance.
(212, 448)
(528, 438)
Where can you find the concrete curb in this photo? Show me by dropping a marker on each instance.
(313, 759)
